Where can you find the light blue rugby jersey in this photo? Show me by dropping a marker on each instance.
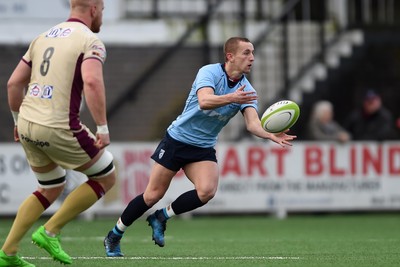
(201, 127)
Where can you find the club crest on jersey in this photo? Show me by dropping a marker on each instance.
(161, 154)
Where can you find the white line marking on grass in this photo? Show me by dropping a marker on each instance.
(174, 258)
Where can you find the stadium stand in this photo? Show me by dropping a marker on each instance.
(302, 53)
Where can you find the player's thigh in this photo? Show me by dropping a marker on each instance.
(159, 181)
(71, 149)
(34, 139)
(203, 174)
(66, 148)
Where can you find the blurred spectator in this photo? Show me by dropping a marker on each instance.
(322, 125)
(373, 121)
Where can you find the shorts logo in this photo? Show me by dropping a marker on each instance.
(47, 92)
(161, 154)
(38, 143)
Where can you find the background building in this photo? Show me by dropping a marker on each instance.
(306, 50)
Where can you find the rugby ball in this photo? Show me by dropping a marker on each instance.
(280, 116)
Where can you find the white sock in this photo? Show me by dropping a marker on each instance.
(169, 211)
(50, 234)
(122, 227)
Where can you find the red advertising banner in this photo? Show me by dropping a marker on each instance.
(254, 177)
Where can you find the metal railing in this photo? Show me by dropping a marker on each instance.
(131, 91)
(188, 9)
(373, 12)
(294, 33)
(268, 14)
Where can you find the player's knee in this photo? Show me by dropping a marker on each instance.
(151, 197)
(103, 171)
(206, 194)
(52, 193)
(107, 182)
(52, 179)
(102, 168)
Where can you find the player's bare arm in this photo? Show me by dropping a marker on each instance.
(253, 125)
(15, 86)
(208, 100)
(94, 90)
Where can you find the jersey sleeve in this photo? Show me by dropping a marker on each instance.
(27, 56)
(96, 50)
(204, 78)
(254, 103)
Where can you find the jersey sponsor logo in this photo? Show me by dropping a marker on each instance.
(47, 92)
(34, 90)
(59, 32)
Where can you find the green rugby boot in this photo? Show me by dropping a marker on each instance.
(8, 261)
(51, 245)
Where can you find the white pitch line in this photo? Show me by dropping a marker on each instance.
(174, 258)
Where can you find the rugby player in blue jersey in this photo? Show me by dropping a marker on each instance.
(218, 93)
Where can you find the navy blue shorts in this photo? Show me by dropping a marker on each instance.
(173, 154)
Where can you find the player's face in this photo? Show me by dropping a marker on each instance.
(98, 19)
(244, 57)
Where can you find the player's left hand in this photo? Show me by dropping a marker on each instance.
(283, 139)
(16, 136)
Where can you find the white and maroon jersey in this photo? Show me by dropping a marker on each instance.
(54, 93)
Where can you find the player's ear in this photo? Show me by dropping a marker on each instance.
(93, 10)
(229, 57)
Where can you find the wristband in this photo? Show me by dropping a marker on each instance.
(15, 116)
(102, 129)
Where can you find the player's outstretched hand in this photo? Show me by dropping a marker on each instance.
(243, 97)
(283, 139)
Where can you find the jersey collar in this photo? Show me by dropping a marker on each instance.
(75, 20)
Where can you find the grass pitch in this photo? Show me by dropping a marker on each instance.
(300, 240)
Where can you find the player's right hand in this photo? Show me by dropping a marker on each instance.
(102, 140)
(243, 97)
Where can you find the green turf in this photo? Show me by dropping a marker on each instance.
(324, 240)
